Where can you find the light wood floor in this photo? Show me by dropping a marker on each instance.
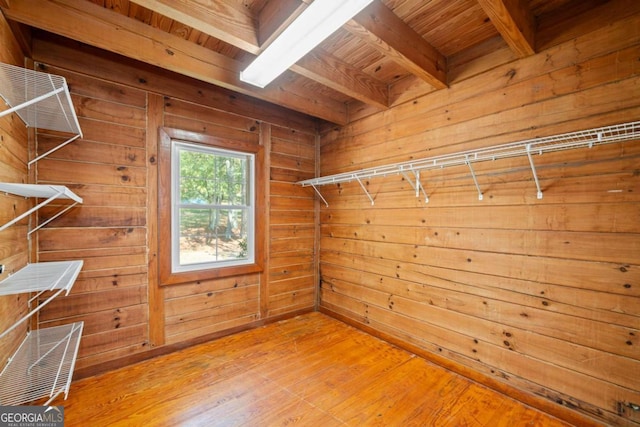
(308, 371)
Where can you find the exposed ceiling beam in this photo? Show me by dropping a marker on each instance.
(56, 51)
(330, 71)
(96, 26)
(515, 22)
(225, 20)
(389, 34)
(274, 17)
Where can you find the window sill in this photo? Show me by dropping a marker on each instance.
(167, 278)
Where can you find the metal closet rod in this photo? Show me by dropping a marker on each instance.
(580, 139)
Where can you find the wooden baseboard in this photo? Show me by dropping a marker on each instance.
(550, 407)
(91, 371)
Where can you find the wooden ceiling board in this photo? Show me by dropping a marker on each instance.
(539, 7)
(391, 45)
(138, 12)
(254, 6)
(219, 46)
(435, 14)
(350, 49)
(457, 26)
(386, 70)
(121, 6)
(415, 12)
(469, 36)
(165, 24)
(342, 44)
(311, 90)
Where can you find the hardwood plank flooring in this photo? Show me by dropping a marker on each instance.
(311, 370)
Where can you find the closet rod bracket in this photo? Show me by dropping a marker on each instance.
(533, 169)
(365, 190)
(320, 195)
(475, 180)
(417, 187)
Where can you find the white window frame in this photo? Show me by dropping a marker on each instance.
(176, 147)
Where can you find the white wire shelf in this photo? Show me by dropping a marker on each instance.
(42, 100)
(581, 139)
(42, 276)
(56, 276)
(42, 366)
(48, 192)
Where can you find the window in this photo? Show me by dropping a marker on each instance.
(213, 212)
(209, 205)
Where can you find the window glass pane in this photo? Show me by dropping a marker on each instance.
(213, 212)
(212, 235)
(197, 182)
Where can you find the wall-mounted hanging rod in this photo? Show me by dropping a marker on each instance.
(580, 139)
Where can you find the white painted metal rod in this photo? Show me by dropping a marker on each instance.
(535, 174)
(475, 181)
(31, 102)
(320, 195)
(580, 139)
(54, 149)
(365, 191)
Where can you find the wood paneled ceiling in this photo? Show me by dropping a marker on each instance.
(393, 51)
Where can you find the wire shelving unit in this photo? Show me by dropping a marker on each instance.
(56, 277)
(42, 367)
(42, 100)
(43, 364)
(531, 147)
(39, 191)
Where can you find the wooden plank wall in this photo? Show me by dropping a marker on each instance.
(120, 105)
(14, 247)
(293, 279)
(543, 294)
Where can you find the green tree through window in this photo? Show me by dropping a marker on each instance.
(212, 207)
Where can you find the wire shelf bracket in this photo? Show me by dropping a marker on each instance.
(417, 187)
(320, 195)
(475, 180)
(535, 174)
(365, 190)
(42, 366)
(47, 192)
(57, 277)
(580, 139)
(41, 100)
